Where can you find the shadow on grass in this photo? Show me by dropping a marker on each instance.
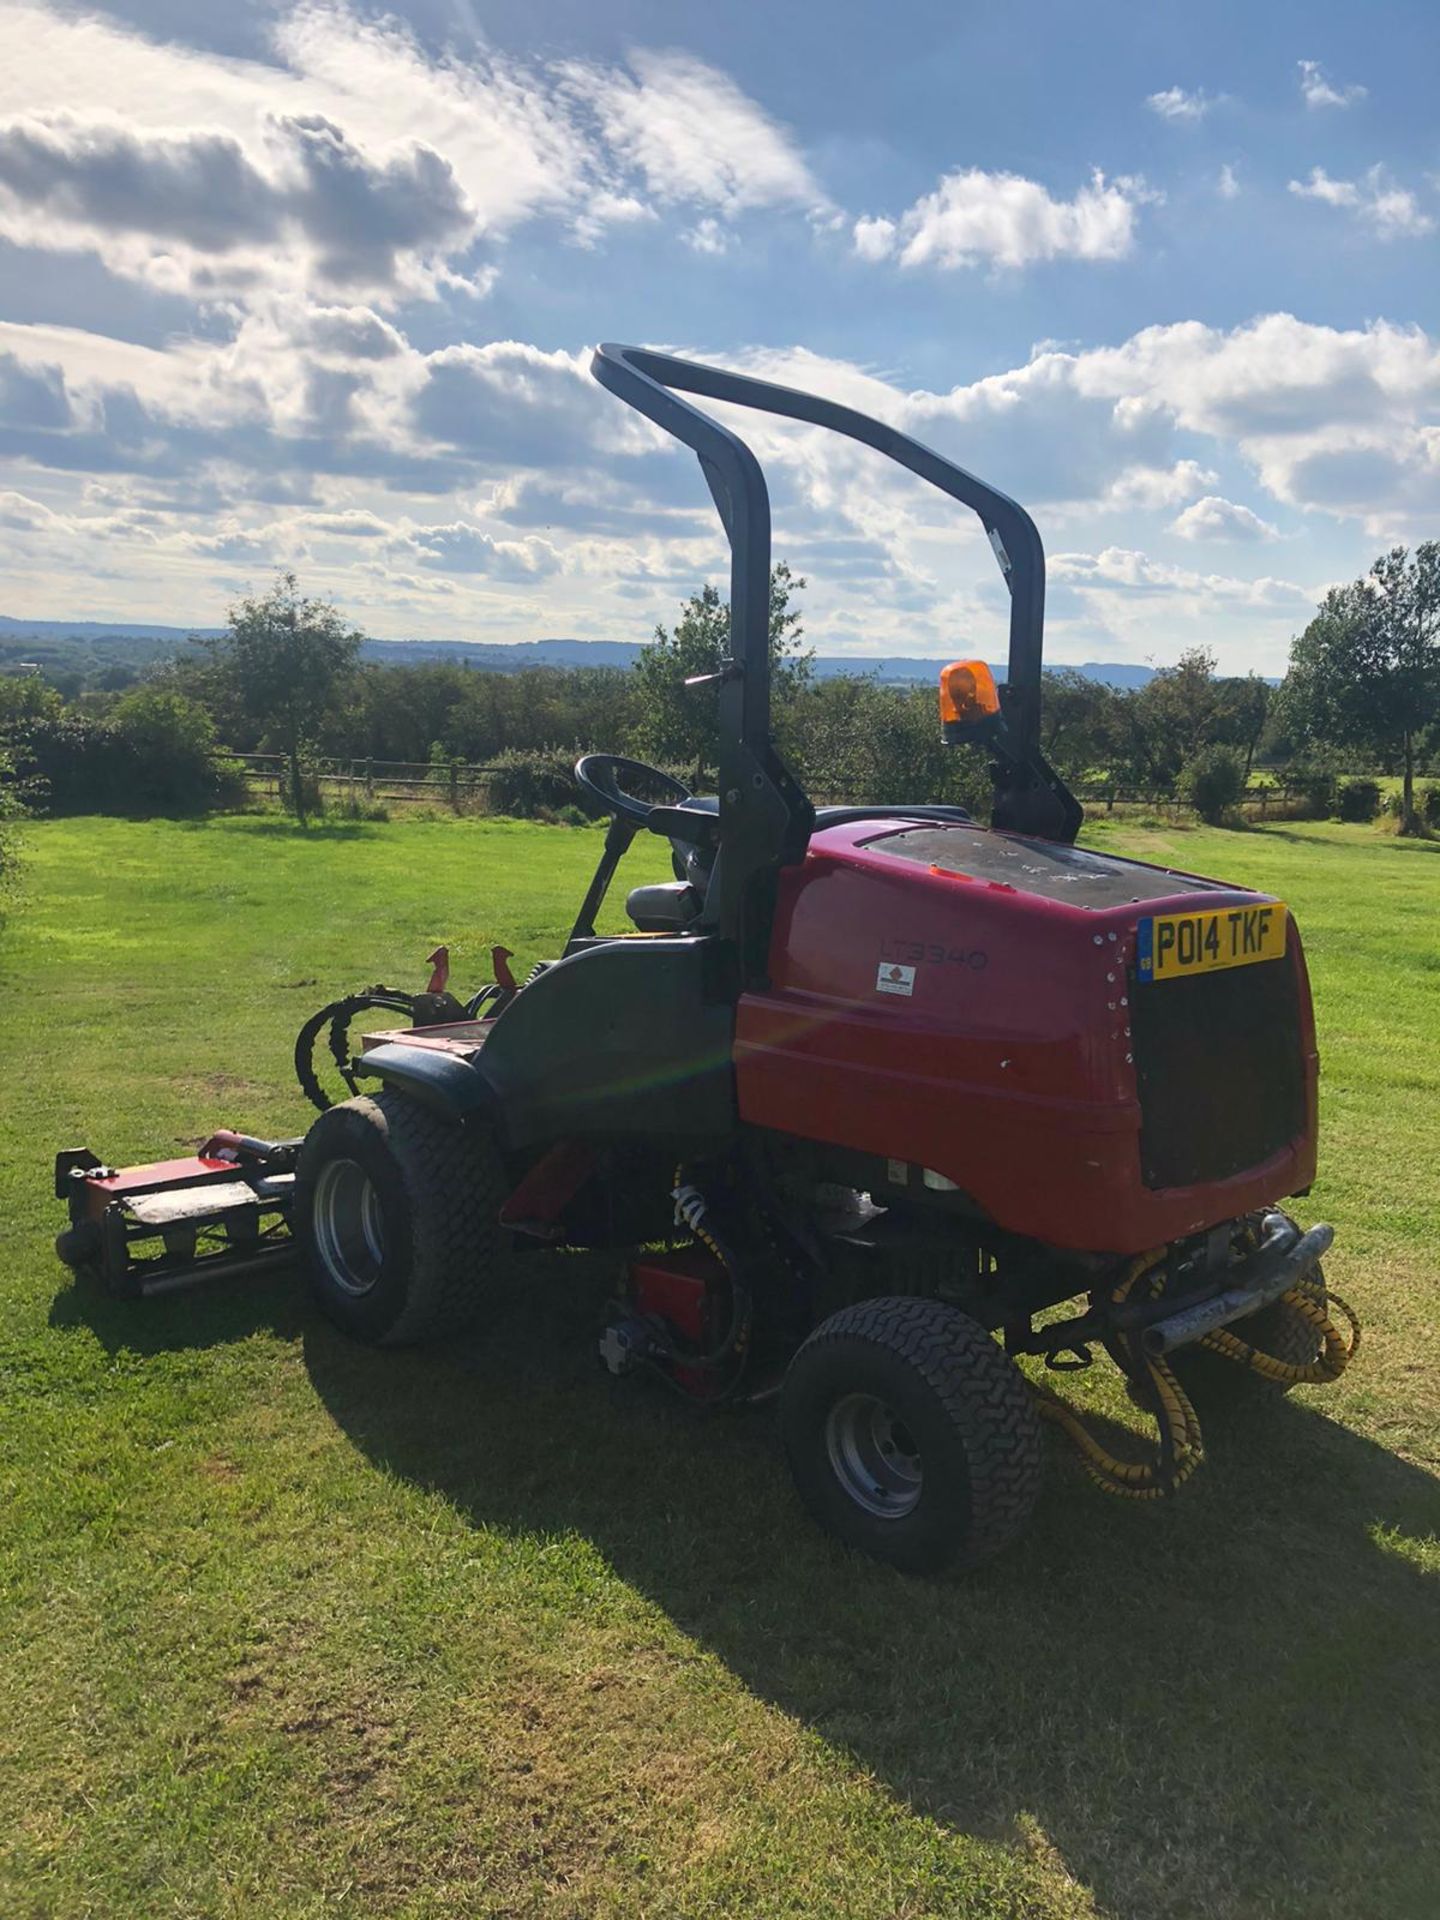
(210, 1314)
(1394, 842)
(1219, 1708)
(276, 826)
(1185, 1699)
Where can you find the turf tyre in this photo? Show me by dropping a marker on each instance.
(960, 1398)
(436, 1189)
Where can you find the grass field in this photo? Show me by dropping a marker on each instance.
(293, 1628)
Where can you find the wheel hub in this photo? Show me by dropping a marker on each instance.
(349, 1229)
(874, 1456)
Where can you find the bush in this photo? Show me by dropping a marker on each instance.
(1359, 800)
(1314, 783)
(1212, 783)
(1427, 803)
(12, 810)
(74, 764)
(525, 783)
(171, 741)
(156, 754)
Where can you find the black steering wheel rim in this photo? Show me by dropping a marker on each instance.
(599, 774)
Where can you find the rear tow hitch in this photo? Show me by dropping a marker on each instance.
(1285, 1258)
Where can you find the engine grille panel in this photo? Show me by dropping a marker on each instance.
(1219, 1070)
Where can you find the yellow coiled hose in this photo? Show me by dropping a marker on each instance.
(1180, 1427)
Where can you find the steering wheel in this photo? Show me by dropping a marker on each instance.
(600, 774)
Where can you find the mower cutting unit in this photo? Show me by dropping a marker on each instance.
(869, 1101)
(152, 1228)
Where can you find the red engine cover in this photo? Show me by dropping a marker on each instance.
(979, 1026)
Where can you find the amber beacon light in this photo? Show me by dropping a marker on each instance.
(968, 696)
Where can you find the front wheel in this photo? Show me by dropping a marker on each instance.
(911, 1435)
(397, 1215)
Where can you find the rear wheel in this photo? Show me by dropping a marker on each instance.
(911, 1435)
(397, 1213)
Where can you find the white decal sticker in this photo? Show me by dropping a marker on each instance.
(890, 978)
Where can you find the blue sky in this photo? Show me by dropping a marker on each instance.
(315, 285)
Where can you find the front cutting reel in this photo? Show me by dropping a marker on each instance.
(226, 1208)
(149, 1229)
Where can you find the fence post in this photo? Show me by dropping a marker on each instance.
(454, 786)
(369, 778)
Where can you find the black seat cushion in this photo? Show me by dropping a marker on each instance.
(669, 907)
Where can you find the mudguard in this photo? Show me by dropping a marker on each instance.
(444, 1082)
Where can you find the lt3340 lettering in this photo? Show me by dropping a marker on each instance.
(918, 953)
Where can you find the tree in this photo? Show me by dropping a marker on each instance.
(1366, 671)
(1076, 721)
(1241, 710)
(1212, 781)
(681, 724)
(1172, 716)
(287, 657)
(26, 697)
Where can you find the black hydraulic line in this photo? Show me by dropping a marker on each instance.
(340, 1014)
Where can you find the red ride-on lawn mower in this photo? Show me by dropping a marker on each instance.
(873, 1099)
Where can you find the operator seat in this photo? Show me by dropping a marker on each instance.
(671, 906)
(676, 906)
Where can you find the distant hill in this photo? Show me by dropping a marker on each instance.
(12, 629)
(510, 658)
(92, 645)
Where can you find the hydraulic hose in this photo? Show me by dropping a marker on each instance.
(1181, 1446)
(340, 1014)
(1336, 1350)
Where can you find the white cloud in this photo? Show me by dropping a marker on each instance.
(1176, 104)
(874, 239)
(1215, 518)
(356, 159)
(1123, 570)
(1228, 183)
(226, 453)
(708, 236)
(1341, 421)
(194, 208)
(1153, 487)
(692, 135)
(22, 514)
(1317, 91)
(463, 548)
(1389, 211)
(1004, 220)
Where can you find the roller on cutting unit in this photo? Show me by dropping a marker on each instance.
(867, 1103)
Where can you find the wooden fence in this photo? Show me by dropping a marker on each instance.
(464, 786)
(454, 783)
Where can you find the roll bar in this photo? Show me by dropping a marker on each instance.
(765, 818)
(650, 381)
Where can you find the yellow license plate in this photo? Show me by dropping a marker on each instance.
(1171, 944)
